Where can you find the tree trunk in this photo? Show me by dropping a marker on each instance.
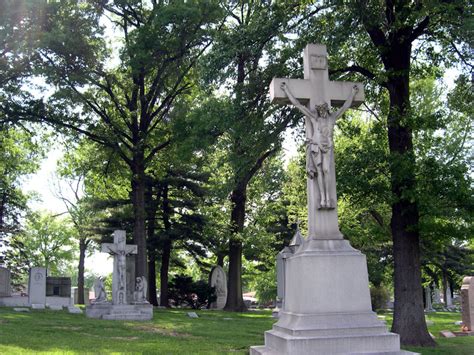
(166, 253)
(80, 273)
(2, 210)
(235, 301)
(152, 297)
(165, 265)
(152, 206)
(409, 318)
(220, 259)
(139, 209)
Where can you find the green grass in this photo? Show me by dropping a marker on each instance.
(444, 321)
(170, 332)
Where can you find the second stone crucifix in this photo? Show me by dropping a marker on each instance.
(314, 96)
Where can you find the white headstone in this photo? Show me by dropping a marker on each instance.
(449, 299)
(288, 251)
(37, 286)
(120, 250)
(436, 295)
(467, 302)
(5, 288)
(218, 280)
(428, 303)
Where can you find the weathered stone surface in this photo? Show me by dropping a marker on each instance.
(58, 301)
(218, 280)
(5, 288)
(37, 286)
(14, 301)
(130, 272)
(120, 250)
(467, 302)
(21, 309)
(192, 315)
(55, 307)
(74, 309)
(138, 312)
(37, 306)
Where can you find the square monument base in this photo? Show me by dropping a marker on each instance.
(137, 312)
(327, 308)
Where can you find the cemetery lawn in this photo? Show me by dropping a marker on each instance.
(170, 332)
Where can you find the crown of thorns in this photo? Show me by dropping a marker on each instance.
(322, 106)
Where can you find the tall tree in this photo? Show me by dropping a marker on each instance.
(47, 241)
(254, 127)
(82, 217)
(125, 107)
(388, 42)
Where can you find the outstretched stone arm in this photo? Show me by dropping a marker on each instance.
(294, 100)
(348, 103)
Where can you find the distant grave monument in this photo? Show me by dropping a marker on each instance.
(449, 300)
(43, 290)
(326, 308)
(428, 301)
(58, 286)
(218, 280)
(120, 308)
(5, 288)
(37, 286)
(467, 304)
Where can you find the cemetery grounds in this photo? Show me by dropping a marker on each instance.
(170, 332)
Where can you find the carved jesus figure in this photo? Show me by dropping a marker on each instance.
(320, 124)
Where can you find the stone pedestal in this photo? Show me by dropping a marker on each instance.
(327, 308)
(137, 312)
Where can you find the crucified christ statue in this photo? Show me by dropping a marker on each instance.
(319, 140)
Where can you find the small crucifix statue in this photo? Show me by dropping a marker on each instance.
(120, 250)
(314, 96)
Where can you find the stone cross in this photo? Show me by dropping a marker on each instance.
(120, 250)
(312, 92)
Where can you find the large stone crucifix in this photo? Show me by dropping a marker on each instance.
(313, 96)
(120, 250)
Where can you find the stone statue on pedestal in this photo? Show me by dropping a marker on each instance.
(99, 290)
(141, 287)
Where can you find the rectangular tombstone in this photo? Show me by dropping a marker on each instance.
(58, 286)
(5, 289)
(467, 303)
(37, 286)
